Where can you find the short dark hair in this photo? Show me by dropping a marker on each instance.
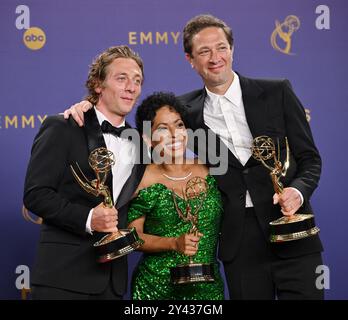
(198, 23)
(98, 70)
(151, 104)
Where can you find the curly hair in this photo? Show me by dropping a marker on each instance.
(98, 69)
(151, 104)
(197, 24)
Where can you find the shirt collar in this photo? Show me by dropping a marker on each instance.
(233, 93)
(101, 117)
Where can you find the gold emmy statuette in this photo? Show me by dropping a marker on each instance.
(196, 191)
(115, 244)
(290, 228)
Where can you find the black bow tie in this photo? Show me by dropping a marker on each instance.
(107, 127)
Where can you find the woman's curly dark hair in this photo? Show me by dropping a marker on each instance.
(149, 106)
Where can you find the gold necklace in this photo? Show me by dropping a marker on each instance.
(177, 178)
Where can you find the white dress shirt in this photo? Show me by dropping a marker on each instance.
(225, 116)
(125, 154)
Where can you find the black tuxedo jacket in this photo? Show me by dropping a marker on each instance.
(271, 109)
(66, 257)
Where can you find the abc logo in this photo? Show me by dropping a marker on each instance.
(34, 38)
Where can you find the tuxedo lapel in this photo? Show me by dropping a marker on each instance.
(195, 119)
(194, 116)
(256, 109)
(130, 186)
(95, 139)
(93, 131)
(133, 181)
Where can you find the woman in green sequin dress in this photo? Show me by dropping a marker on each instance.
(168, 241)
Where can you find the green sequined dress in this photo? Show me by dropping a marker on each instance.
(151, 278)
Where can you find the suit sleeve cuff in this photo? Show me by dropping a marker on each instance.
(299, 193)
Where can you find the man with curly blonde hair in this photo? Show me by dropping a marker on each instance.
(73, 220)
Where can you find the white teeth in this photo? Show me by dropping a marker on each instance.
(174, 145)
